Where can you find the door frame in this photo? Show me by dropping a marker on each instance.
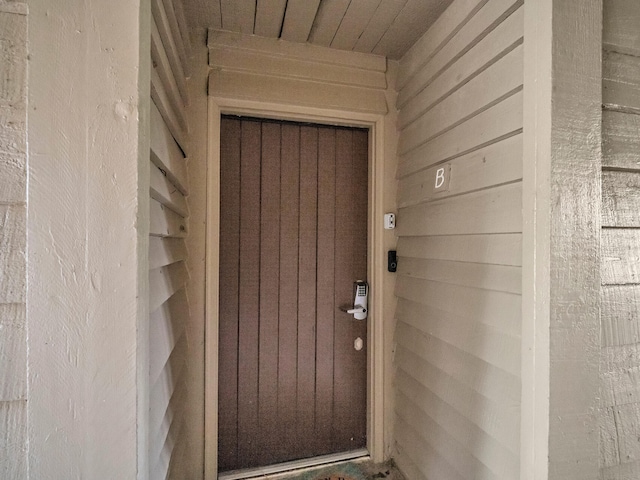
(218, 106)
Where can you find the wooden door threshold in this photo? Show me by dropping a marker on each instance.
(297, 465)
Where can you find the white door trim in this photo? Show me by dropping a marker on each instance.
(375, 267)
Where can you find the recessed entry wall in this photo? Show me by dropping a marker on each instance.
(458, 335)
(288, 81)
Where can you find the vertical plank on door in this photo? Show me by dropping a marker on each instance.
(326, 302)
(229, 274)
(249, 297)
(288, 325)
(269, 290)
(343, 343)
(307, 286)
(360, 181)
(350, 265)
(293, 240)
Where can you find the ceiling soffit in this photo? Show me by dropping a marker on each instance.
(381, 27)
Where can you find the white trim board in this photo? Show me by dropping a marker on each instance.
(375, 375)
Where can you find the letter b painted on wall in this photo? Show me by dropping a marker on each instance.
(441, 178)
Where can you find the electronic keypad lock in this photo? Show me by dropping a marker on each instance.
(359, 309)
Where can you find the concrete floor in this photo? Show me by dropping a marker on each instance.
(365, 469)
(386, 471)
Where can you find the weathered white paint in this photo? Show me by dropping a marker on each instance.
(87, 238)
(13, 241)
(559, 437)
(312, 106)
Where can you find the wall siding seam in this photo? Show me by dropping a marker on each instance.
(611, 107)
(613, 48)
(443, 198)
(445, 443)
(464, 261)
(611, 168)
(161, 200)
(480, 146)
(465, 119)
(172, 278)
(463, 52)
(502, 133)
(457, 56)
(500, 55)
(427, 336)
(14, 8)
(489, 403)
(442, 282)
(509, 453)
(404, 79)
(422, 456)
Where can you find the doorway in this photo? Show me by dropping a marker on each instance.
(292, 380)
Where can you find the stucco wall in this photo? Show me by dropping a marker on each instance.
(87, 237)
(13, 240)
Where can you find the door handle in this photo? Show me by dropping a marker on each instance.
(359, 308)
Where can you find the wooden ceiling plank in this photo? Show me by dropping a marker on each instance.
(354, 23)
(412, 22)
(298, 19)
(269, 17)
(327, 21)
(203, 13)
(382, 19)
(238, 15)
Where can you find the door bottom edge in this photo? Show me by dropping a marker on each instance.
(296, 465)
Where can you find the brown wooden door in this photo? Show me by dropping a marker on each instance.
(293, 239)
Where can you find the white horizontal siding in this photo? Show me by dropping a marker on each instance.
(459, 270)
(168, 275)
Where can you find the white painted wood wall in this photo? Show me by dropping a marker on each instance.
(169, 342)
(620, 273)
(459, 271)
(13, 240)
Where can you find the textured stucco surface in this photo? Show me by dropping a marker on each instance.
(88, 81)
